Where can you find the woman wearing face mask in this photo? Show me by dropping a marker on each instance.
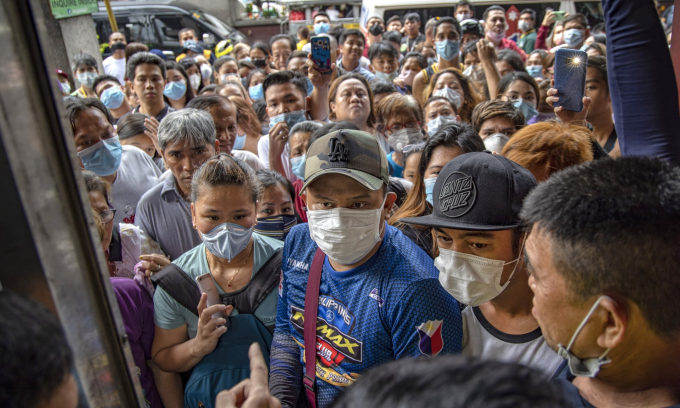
(520, 89)
(261, 57)
(439, 112)
(400, 120)
(470, 58)
(412, 63)
(254, 84)
(276, 207)
(535, 64)
(351, 100)
(85, 69)
(193, 70)
(448, 143)
(177, 90)
(224, 196)
(454, 86)
(249, 128)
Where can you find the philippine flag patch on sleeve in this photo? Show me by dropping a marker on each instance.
(431, 341)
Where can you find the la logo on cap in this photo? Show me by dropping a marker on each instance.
(457, 195)
(337, 150)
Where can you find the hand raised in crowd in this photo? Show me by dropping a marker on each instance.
(575, 118)
(153, 263)
(278, 137)
(151, 125)
(319, 80)
(252, 392)
(486, 51)
(209, 330)
(549, 19)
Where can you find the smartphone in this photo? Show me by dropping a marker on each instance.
(570, 78)
(321, 54)
(559, 15)
(207, 286)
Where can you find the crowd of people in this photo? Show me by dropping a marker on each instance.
(426, 202)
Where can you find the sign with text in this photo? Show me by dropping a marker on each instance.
(72, 8)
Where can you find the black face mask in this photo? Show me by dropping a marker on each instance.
(376, 29)
(118, 46)
(259, 62)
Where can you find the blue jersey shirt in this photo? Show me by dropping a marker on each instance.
(391, 307)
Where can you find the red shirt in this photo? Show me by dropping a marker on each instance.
(505, 43)
(300, 207)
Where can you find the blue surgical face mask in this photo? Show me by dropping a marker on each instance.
(386, 77)
(447, 49)
(527, 108)
(227, 240)
(247, 59)
(175, 90)
(87, 78)
(65, 87)
(310, 86)
(256, 92)
(321, 28)
(187, 43)
(298, 166)
(112, 98)
(103, 158)
(429, 188)
(573, 37)
(291, 118)
(536, 71)
(239, 142)
(277, 226)
(434, 125)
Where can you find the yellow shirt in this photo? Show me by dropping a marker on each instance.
(301, 44)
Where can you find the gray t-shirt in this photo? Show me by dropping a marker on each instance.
(481, 339)
(168, 314)
(136, 175)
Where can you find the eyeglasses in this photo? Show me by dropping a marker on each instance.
(399, 126)
(108, 215)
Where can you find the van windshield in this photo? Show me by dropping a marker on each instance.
(220, 26)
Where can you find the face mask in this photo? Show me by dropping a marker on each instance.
(573, 37)
(495, 37)
(536, 71)
(298, 166)
(470, 279)
(434, 125)
(376, 29)
(386, 77)
(247, 59)
(523, 26)
(527, 108)
(256, 92)
(225, 77)
(404, 137)
(206, 71)
(321, 28)
(469, 70)
(87, 78)
(447, 49)
(227, 240)
(345, 235)
(65, 87)
(310, 86)
(239, 142)
(187, 43)
(276, 227)
(462, 16)
(119, 46)
(429, 188)
(175, 90)
(112, 98)
(103, 158)
(407, 76)
(450, 94)
(588, 367)
(259, 62)
(541, 117)
(291, 118)
(195, 81)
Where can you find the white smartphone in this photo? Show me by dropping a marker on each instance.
(207, 286)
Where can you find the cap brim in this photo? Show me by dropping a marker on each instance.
(365, 179)
(431, 221)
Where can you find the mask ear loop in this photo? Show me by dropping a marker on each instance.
(585, 320)
(521, 248)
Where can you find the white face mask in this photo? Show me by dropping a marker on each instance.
(345, 235)
(470, 279)
(195, 81)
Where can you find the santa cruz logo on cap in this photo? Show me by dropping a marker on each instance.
(457, 195)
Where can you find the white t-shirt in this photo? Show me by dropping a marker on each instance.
(263, 152)
(481, 339)
(136, 175)
(251, 159)
(115, 67)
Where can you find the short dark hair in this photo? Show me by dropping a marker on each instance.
(412, 16)
(529, 11)
(615, 227)
(143, 58)
(74, 106)
(260, 108)
(297, 54)
(205, 102)
(262, 47)
(469, 47)
(304, 32)
(35, 357)
(349, 32)
(184, 30)
(187, 62)
(490, 9)
(221, 61)
(268, 178)
(337, 32)
(321, 13)
(439, 98)
(382, 87)
(496, 108)
(422, 61)
(577, 17)
(103, 78)
(392, 36)
(382, 48)
(512, 58)
(599, 63)
(285, 77)
(395, 17)
(449, 20)
(84, 59)
(453, 381)
(131, 125)
(253, 73)
(207, 89)
(464, 3)
(286, 37)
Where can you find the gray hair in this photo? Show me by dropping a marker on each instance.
(192, 125)
(308, 126)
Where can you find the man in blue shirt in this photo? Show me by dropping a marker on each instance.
(379, 298)
(353, 43)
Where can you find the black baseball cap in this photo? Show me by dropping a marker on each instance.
(478, 191)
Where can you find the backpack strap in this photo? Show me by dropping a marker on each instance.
(311, 310)
(179, 286)
(247, 299)
(116, 247)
